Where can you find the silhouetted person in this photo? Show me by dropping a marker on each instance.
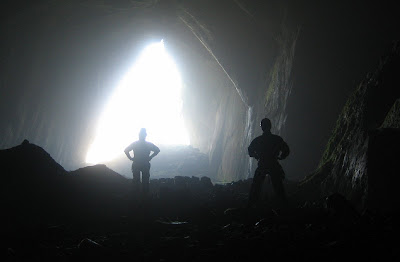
(141, 160)
(268, 149)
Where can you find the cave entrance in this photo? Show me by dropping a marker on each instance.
(148, 96)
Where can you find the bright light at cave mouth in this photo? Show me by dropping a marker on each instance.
(148, 96)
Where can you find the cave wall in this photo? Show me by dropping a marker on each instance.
(244, 77)
(350, 164)
(214, 113)
(220, 127)
(275, 91)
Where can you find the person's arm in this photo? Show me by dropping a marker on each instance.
(285, 151)
(155, 150)
(252, 151)
(126, 151)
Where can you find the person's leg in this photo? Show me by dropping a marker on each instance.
(135, 179)
(277, 176)
(145, 179)
(256, 186)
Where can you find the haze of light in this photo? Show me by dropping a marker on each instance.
(148, 96)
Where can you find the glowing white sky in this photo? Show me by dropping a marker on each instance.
(148, 96)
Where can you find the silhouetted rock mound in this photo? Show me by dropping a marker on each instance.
(36, 190)
(358, 141)
(29, 170)
(99, 174)
(31, 187)
(97, 191)
(28, 161)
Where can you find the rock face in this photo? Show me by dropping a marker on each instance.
(359, 160)
(243, 84)
(383, 169)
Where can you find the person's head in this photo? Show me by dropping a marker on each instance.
(142, 134)
(266, 125)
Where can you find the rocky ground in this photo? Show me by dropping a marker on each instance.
(213, 223)
(49, 214)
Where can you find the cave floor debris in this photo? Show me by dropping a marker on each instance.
(183, 226)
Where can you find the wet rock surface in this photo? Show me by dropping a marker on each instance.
(183, 219)
(359, 159)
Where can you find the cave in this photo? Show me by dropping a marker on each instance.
(61, 103)
(64, 61)
(324, 74)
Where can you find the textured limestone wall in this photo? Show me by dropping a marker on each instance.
(243, 77)
(273, 93)
(215, 117)
(344, 165)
